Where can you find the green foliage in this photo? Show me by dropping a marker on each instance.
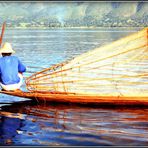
(85, 14)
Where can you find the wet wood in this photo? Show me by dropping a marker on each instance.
(80, 99)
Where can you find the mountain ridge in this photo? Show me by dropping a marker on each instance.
(74, 14)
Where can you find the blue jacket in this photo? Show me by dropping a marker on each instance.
(9, 68)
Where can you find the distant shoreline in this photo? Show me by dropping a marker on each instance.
(73, 27)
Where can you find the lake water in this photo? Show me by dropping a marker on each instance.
(24, 122)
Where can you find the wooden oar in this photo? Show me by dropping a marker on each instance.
(2, 32)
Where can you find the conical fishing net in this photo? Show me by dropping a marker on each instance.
(117, 69)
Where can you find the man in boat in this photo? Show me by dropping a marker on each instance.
(11, 69)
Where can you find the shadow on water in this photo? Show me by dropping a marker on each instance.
(33, 123)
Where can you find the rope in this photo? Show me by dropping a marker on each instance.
(90, 79)
(83, 64)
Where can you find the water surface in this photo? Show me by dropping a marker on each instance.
(25, 122)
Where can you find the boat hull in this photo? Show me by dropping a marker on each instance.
(80, 99)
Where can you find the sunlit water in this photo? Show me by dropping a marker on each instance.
(30, 123)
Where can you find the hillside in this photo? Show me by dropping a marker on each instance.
(74, 14)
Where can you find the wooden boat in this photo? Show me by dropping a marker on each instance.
(115, 73)
(80, 99)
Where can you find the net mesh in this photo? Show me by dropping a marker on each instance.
(117, 69)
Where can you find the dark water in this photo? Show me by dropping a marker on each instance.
(24, 122)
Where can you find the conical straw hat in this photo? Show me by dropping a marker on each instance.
(6, 48)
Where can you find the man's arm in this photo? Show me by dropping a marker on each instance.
(21, 67)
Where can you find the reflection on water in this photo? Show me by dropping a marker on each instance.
(28, 123)
(57, 124)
